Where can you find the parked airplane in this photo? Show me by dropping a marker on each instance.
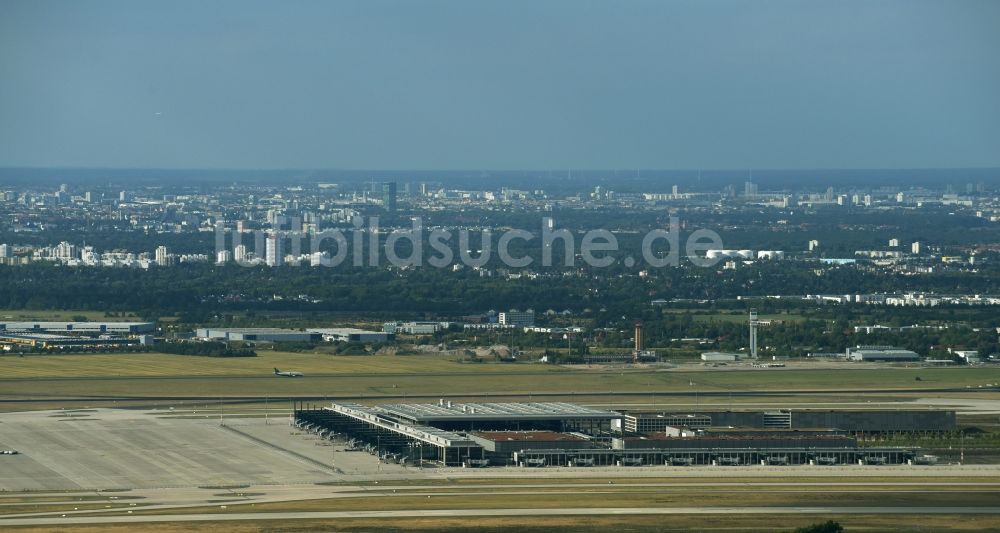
(288, 374)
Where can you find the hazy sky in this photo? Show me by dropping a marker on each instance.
(501, 84)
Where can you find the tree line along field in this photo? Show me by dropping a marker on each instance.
(62, 315)
(199, 292)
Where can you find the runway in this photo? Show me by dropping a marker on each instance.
(46, 383)
(453, 513)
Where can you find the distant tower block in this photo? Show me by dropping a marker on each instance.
(753, 334)
(639, 344)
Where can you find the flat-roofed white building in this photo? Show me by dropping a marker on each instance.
(881, 353)
(719, 357)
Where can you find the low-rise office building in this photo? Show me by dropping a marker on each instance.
(518, 319)
(413, 328)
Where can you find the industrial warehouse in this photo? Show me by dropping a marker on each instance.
(537, 434)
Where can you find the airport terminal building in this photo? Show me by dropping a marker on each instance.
(557, 433)
(852, 420)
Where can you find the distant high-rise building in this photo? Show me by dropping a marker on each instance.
(389, 196)
(868, 200)
(893, 243)
(423, 189)
(813, 244)
(123, 196)
(65, 250)
(240, 253)
(675, 192)
(750, 189)
(162, 256)
(88, 197)
(639, 344)
(272, 253)
(64, 188)
(317, 259)
(274, 218)
(915, 248)
(5, 251)
(223, 257)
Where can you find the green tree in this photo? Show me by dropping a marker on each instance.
(825, 527)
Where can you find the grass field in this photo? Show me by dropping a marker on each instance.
(59, 316)
(566, 524)
(611, 496)
(149, 365)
